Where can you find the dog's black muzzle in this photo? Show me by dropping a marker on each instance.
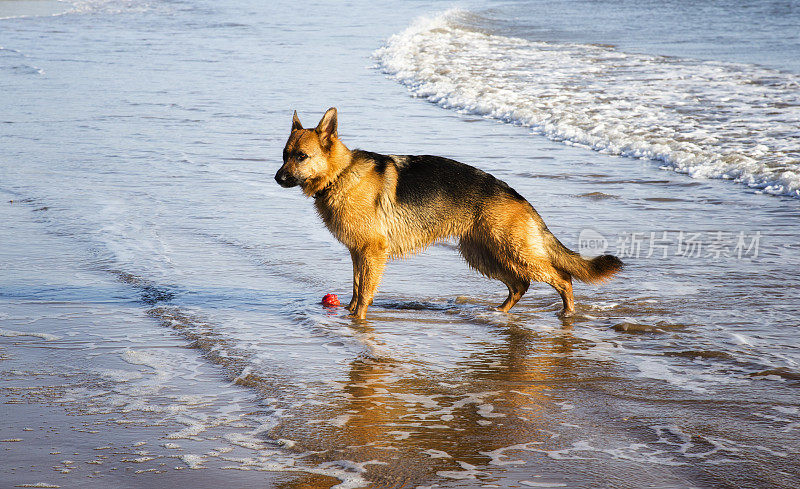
(285, 180)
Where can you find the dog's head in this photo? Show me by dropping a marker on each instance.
(307, 155)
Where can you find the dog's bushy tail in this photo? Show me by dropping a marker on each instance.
(598, 269)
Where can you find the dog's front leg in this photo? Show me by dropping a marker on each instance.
(356, 279)
(372, 261)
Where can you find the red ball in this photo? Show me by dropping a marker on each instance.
(330, 300)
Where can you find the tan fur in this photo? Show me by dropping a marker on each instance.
(501, 237)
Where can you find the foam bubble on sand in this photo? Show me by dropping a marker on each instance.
(542, 484)
(193, 428)
(499, 456)
(118, 375)
(707, 119)
(348, 472)
(340, 421)
(244, 441)
(140, 357)
(138, 460)
(160, 364)
(787, 409)
(428, 402)
(401, 435)
(742, 339)
(635, 452)
(469, 472)
(487, 411)
(711, 449)
(193, 461)
(433, 453)
(44, 336)
(661, 370)
(285, 442)
(474, 398)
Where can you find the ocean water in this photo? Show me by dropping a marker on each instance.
(709, 118)
(160, 320)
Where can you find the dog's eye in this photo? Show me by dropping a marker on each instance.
(300, 156)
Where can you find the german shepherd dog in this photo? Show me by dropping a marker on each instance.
(386, 206)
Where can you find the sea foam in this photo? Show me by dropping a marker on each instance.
(703, 118)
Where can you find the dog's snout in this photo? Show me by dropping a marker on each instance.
(280, 177)
(284, 179)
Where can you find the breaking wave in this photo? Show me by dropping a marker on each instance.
(704, 118)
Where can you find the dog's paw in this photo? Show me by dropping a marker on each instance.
(564, 313)
(359, 318)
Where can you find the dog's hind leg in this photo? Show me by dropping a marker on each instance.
(562, 282)
(484, 260)
(516, 289)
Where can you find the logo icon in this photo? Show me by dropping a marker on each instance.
(591, 243)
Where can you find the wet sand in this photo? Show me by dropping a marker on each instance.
(69, 415)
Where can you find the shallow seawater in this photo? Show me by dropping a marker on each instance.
(160, 320)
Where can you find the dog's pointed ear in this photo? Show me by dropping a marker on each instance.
(296, 122)
(327, 127)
